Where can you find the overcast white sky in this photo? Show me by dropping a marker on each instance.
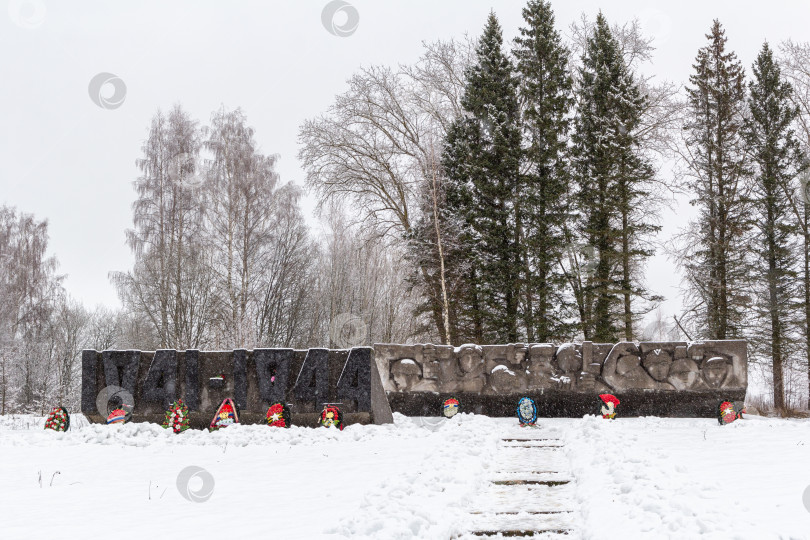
(66, 159)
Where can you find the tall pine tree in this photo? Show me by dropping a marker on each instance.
(546, 100)
(714, 260)
(481, 160)
(610, 173)
(776, 154)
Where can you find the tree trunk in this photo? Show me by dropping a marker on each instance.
(806, 278)
(445, 302)
(628, 312)
(776, 330)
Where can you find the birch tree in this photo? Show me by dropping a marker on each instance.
(170, 281)
(29, 290)
(795, 62)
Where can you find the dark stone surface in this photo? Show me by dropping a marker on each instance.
(240, 378)
(312, 383)
(161, 379)
(121, 369)
(272, 373)
(560, 404)
(89, 392)
(189, 364)
(355, 380)
(254, 379)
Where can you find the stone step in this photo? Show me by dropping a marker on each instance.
(530, 494)
(530, 459)
(526, 524)
(532, 443)
(549, 534)
(531, 513)
(520, 437)
(529, 475)
(530, 482)
(522, 498)
(522, 524)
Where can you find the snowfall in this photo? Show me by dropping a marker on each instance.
(416, 478)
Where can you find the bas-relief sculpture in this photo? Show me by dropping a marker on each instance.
(582, 367)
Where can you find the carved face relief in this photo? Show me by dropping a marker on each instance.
(469, 360)
(428, 353)
(716, 370)
(541, 366)
(405, 373)
(568, 359)
(657, 364)
(683, 374)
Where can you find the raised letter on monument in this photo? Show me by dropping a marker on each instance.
(161, 379)
(312, 383)
(355, 380)
(272, 372)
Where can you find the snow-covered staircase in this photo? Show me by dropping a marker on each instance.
(529, 491)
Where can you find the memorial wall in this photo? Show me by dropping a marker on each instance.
(367, 384)
(146, 383)
(650, 378)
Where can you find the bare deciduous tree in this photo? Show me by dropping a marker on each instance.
(375, 145)
(795, 63)
(170, 282)
(29, 290)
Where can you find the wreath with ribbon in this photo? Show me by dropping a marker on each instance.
(58, 419)
(729, 411)
(118, 416)
(177, 417)
(278, 415)
(331, 416)
(227, 414)
(609, 405)
(451, 407)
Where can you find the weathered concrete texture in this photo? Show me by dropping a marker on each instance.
(650, 378)
(256, 379)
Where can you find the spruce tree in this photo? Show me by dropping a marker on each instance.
(546, 100)
(481, 160)
(775, 152)
(715, 260)
(610, 173)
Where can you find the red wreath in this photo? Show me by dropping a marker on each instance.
(610, 398)
(227, 410)
(176, 417)
(331, 416)
(58, 419)
(727, 413)
(279, 413)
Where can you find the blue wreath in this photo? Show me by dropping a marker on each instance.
(521, 418)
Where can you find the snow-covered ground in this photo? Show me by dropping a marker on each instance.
(418, 478)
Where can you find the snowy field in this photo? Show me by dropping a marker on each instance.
(418, 478)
